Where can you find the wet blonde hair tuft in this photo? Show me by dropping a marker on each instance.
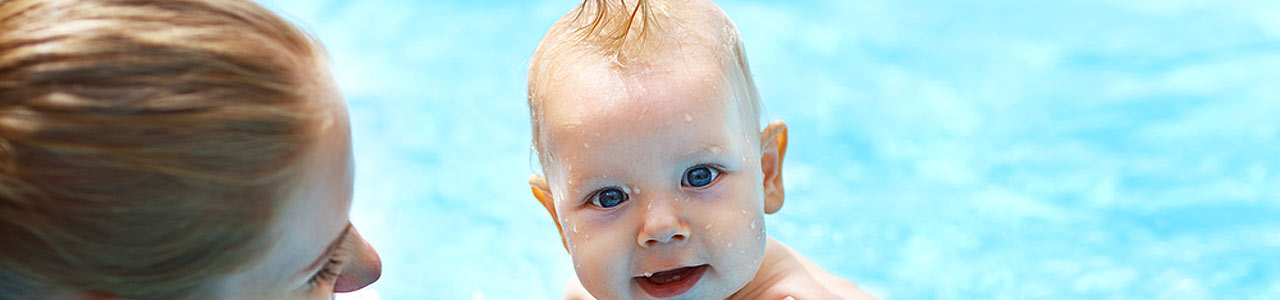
(636, 34)
(616, 28)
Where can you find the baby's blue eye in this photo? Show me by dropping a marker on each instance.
(699, 176)
(609, 197)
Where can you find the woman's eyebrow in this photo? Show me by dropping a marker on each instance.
(327, 252)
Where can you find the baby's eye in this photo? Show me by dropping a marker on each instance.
(608, 197)
(699, 176)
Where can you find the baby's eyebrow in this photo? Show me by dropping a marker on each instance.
(712, 148)
(584, 184)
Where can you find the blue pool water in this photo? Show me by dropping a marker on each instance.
(940, 150)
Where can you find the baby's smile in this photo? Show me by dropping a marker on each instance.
(672, 282)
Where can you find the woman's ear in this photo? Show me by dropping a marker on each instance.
(542, 192)
(773, 147)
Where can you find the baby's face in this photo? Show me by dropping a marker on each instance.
(657, 183)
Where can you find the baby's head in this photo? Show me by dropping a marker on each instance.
(646, 124)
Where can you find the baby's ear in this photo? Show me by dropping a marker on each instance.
(773, 147)
(542, 192)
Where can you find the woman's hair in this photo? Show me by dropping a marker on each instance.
(145, 145)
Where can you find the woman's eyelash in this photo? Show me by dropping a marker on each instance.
(329, 273)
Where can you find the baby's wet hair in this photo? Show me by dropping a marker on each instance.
(610, 23)
(631, 35)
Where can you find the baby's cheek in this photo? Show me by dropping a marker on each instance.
(599, 257)
(583, 233)
(585, 246)
(736, 240)
(760, 239)
(752, 236)
(736, 232)
(753, 249)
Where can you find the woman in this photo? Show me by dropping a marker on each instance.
(171, 149)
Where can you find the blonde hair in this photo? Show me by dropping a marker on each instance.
(634, 34)
(145, 145)
(611, 25)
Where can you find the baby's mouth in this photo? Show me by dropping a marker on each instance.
(671, 283)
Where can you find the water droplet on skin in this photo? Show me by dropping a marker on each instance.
(744, 212)
(575, 227)
(650, 207)
(730, 245)
(597, 134)
(688, 118)
(708, 226)
(753, 225)
(637, 191)
(585, 145)
(714, 149)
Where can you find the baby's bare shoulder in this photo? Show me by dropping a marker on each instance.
(844, 289)
(804, 285)
(801, 279)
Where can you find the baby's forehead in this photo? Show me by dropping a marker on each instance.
(601, 95)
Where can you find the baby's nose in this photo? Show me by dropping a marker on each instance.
(662, 226)
(669, 236)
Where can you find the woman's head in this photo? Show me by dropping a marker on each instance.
(170, 149)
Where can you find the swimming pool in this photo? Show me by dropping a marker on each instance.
(981, 150)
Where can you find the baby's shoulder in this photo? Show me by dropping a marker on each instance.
(795, 276)
(842, 289)
(806, 284)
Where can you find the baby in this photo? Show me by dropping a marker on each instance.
(646, 124)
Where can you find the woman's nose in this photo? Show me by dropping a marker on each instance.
(364, 269)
